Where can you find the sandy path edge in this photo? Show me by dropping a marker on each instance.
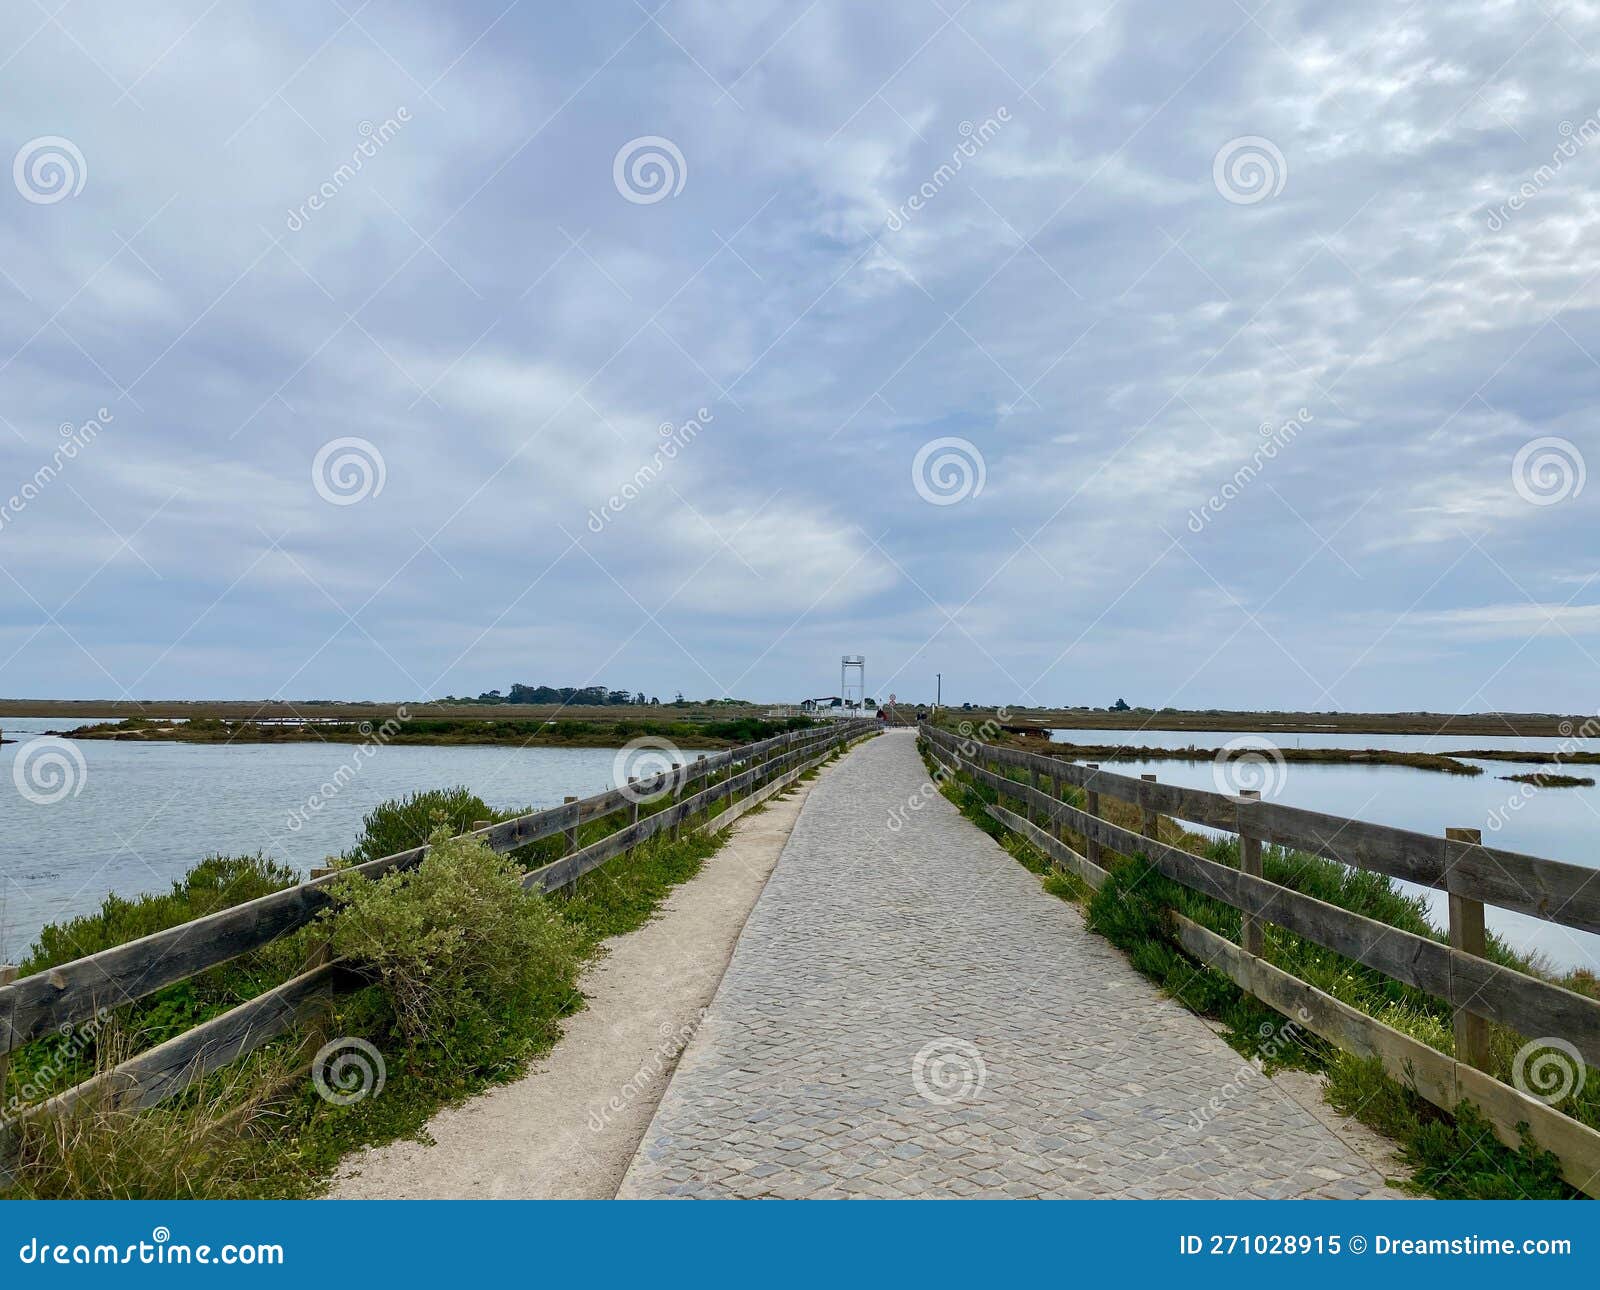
(570, 1127)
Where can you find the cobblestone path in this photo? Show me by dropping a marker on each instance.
(908, 1014)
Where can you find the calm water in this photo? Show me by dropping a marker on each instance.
(147, 812)
(1557, 823)
(1317, 739)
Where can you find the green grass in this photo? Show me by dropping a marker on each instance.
(1450, 1155)
(1454, 1157)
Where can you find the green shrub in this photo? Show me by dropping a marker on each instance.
(744, 730)
(459, 948)
(406, 822)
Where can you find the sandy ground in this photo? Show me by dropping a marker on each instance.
(569, 1129)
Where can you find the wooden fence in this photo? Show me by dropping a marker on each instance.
(73, 993)
(1476, 989)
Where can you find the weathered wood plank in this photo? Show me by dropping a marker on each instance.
(1059, 852)
(75, 991)
(167, 1069)
(1433, 1075)
(569, 869)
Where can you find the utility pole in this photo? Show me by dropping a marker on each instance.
(938, 689)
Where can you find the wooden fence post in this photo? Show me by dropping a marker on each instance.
(1467, 935)
(633, 814)
(317, 954)
(572, 833)
(1055, 792)
(1251, 936)
(320, 954)
(8, 974)
(1091, 806)
(1149, 821)
(676, 831)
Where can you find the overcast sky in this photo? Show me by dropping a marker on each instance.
(1230, 326)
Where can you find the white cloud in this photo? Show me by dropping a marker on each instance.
(484, 257)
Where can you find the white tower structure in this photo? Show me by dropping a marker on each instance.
(853, 694)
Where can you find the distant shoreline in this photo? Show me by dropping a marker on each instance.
(431, 731)
(1511, 724)
(82, 710)
(1451, 761)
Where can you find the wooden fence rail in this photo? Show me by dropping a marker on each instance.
(1476, 989)
(40, 1004)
